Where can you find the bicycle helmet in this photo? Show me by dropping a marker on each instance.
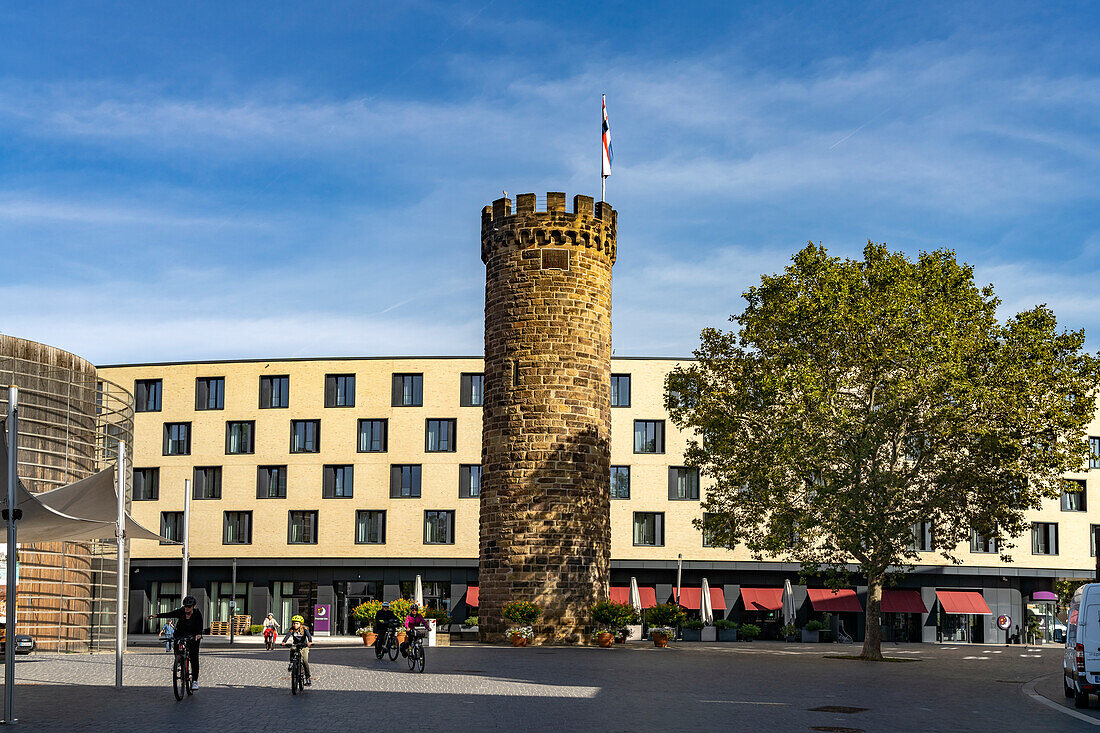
(385, 604)
(190, 601)
(299, 619)
(414, 607)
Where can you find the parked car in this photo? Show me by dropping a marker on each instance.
(1081, 663)
(23, 644)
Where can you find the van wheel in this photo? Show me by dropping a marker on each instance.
(1065, 686)
(1080, 699)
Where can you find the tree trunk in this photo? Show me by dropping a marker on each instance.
(872, 636)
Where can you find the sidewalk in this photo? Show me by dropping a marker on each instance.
(151, 640)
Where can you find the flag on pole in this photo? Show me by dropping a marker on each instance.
(607, 154)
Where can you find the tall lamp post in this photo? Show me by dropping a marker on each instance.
(11, 514)
(186, 535)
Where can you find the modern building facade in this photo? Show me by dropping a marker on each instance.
(332, 481)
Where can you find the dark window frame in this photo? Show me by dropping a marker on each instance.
(658, 437)
(453, 437)
(329, 474)
(200, 476)
(202, 393)
(177, 517)
(466, 391)
(925, 530)
(465, 482)
(145, 474)
(397, 480)
(142, 396)
(616, 493)
(268, 392)
(333, 388)
(381, 530)
(1094, 451)
(244, 513)
(658, 529)
(616, 390)
(312, 515)
(385, 425)
(1074, 501)
(251, 437)
(449, 527)
(415, 389)
(674, 484)
(316, 438)
(186, 441)
(1050, 529)
(263, 481)
(979, 540)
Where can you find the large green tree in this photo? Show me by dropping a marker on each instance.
(858, 398)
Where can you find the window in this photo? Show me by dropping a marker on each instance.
(271, 482)
(982, 543)
(1073, 496)
(439, 436)
(922, 537)
(337, 482)
(237, 528)
(620, 482)
(1094, 452)
(472, 393)
(1044, 538)
(305, 436)
(408, 390)
(240, 437)
(1092, 538)
(620, 390)
(274, 392)
(147, 395)
(370, 527)
(339, 390)
(713, 528)
(372, 436)
(210, 393)
(207, 483)
(146, 484)
(301, 528)
(469, 482)
(404, 482)
(649, 529)
(649, 436)
(439, 528)
(171, 526)
(177, 438)
(683, 483)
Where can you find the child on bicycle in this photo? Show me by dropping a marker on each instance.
(412, 621)
(299, 632)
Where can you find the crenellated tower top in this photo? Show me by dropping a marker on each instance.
(590, 226)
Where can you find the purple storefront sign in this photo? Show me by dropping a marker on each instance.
(322, 618)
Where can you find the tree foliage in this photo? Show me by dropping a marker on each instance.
(857, 398)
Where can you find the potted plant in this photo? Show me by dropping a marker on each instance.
(748, 632)
(663, 620)
(469, 622)
(611, 619)
(811, 632)
(789, 632)
(692, 630)
(363, 615)
(727, 630)
(368, 636)
(522, 615)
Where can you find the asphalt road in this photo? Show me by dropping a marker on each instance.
(757, 687)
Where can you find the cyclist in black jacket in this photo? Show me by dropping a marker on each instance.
(384, 618)
(188, 624)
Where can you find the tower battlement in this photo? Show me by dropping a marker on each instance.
(590, 225)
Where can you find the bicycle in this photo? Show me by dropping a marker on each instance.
(269, 638)
(181, 668)
(297, 671)
(416, 650)
(389, 643)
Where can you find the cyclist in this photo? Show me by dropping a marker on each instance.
(188, 626)
(167, 633)
(385, 617)
(271, 627)
(413, 620)
(299, 632)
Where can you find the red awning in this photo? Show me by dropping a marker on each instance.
(963, 601)
(837, 601)
(762, 599)
(620, 594)
(902, 601)
(690, 598)
(471, 595)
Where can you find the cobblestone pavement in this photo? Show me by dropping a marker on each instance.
(757, 686)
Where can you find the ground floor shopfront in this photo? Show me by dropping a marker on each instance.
(929, 604)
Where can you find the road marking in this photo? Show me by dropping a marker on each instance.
(744, 702)
(1029, 690)
(979, 657)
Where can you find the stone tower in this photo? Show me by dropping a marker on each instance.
(546, 457)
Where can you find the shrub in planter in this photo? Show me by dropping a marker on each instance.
(256, 629)
(520, 635)
(521, 613)
(665, 614)
(470, 621)
(612, 617)
(440, 616)
(789, 632)
(749, 631)
(727, 630)
(401, 608)
(813, 626)
(692, 630)
(811, 632)
(661, 634)
(368, 635)
(364, 613)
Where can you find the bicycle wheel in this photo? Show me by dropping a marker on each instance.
(412, 657)
(188, 683)
(393, 648)
(295, 678)
(178, 670)
(419, 658)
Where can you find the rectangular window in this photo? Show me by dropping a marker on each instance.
(620, 482)
(240, 437)
(712, 529)
(408, 390)
(207, 483)
(370, 527)
(439, 528)
(1094, 452)
(210, 393)
(981, 543)
(649, 529)
(237, 528)
(439, 436)
(472, 393)
(683, 483)
(404, 481)
(146, 484)
(171, 526)
(271, 482)
(338, 482)
(1073, 496)
(620, 390)
(649, 436)
(274, 392)
(305, 436)
(372, 436)
(1044, 538)
(922, 537)
(301, 528)
(177, 438)
(1092, 539)
(339, 390)
(469, 481)
(147, 395)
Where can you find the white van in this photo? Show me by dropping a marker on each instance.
(1081, 664)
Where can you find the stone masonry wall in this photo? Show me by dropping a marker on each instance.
(546, 459)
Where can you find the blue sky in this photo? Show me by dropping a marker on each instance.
(219, 180)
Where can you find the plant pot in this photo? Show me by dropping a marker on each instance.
(727, 634)
(605, 640)
(659, 640)
(691, 634)
(519, 641)
(401, 637)
(792, 638)
(810, 637)
(709, 633)
(369, 639)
